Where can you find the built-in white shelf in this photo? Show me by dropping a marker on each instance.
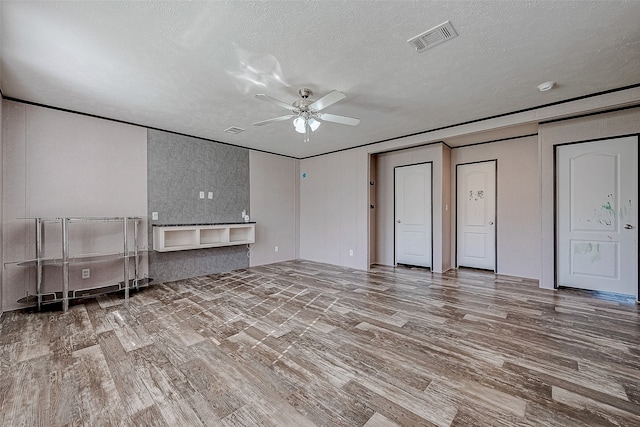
(168, 238)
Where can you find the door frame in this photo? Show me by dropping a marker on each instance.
(555, 203)
(395, 263)
(495, 229)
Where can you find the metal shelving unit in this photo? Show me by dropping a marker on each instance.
(64, 295)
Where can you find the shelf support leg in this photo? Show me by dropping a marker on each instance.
(136, 255)
(65, 264)
(39, 236)
(125, 222)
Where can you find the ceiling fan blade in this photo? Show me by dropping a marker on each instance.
(272, 100)
(344, 120)
(329, 99)
(276, 119)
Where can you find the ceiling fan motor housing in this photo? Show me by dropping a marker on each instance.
(307, 112)
(302, 104)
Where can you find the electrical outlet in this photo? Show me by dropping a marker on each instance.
(275, 249)
(86, 273)
(350, 252)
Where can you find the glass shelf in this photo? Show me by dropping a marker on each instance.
(53, 297)
(76, 259)
(128, 225)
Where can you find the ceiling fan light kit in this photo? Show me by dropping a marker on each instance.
(306, 114)
(300, 123)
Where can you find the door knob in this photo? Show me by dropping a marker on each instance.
(398, 221)
(490, 222)
(628, 226)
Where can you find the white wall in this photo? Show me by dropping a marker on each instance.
(599, 126)
(58, 164)
(518, 206)
(334, 209)
(385, 229)
(274, 207)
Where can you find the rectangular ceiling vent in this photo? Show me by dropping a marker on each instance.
(433, 37)
(234, 130)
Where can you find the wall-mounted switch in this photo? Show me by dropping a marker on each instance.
(350, 252)
(154, 216)
(275, 249)
(210, 195)
(86, 273)
(202, 194)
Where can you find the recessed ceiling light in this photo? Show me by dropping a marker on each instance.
(546, 86)
(234, 130)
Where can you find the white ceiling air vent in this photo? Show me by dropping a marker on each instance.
(234, 130)
(433, 37)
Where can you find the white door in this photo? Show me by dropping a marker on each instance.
(597, 199)
(476, 215)
(413, 214)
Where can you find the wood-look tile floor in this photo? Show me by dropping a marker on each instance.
(304, 344)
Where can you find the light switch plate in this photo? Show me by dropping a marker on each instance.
(202, 194)
(154, 216)
(210, 195)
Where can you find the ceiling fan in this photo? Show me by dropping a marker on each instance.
(306, 114)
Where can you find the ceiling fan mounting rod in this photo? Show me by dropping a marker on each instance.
(305, 92)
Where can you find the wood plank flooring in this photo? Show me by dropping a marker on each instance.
(305, 344)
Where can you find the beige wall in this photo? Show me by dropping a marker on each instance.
(525, 184)
(274, 207)
(1, 209)
(62, 164)
(373, 207)
(518, 202)
(445, 210)
(334, 219)
(384, 227)
(599, 126)
(58, 164)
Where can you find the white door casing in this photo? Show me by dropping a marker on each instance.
(476, 215)
(597, 215)
(413, 214)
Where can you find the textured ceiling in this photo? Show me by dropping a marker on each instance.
(194, 67)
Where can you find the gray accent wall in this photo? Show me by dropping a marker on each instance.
(178, 169)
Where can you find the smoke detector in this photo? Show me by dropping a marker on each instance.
(433, 37)
(543, 87)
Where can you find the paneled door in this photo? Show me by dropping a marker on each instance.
(476, 215)
(413, 214)
(597, 215)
